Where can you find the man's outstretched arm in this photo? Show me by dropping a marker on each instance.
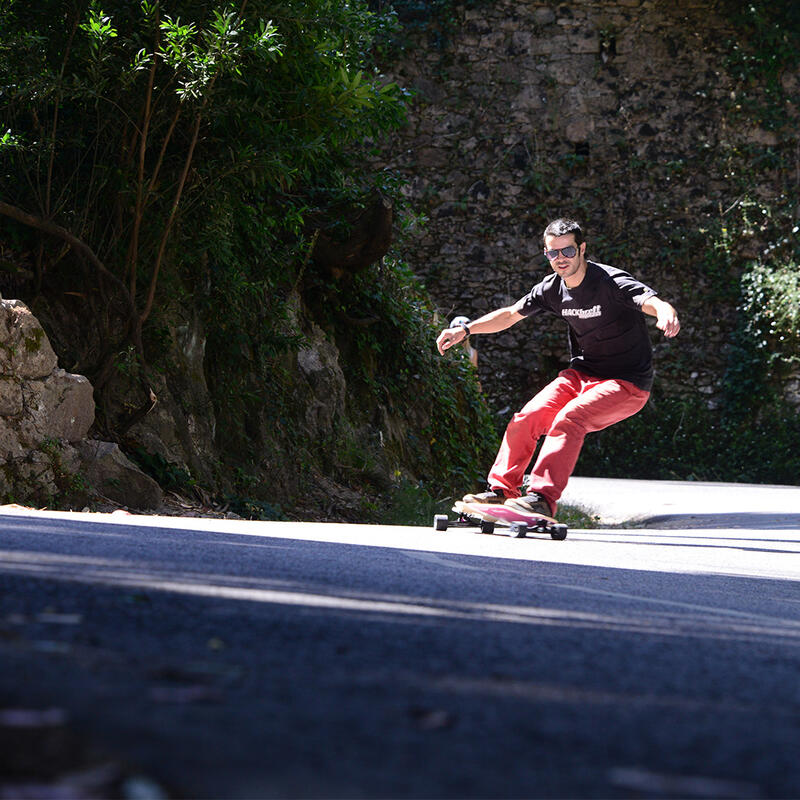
(493, 322)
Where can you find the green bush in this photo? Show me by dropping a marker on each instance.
(684, 439)
(393, 362)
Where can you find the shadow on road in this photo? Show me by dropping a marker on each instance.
(232, 665)
(748, 519)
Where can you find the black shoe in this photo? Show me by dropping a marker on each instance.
(491, 496)
(533, 503)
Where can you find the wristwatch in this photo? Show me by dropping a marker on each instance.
(465, 326)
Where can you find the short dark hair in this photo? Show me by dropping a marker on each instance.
(561, 227)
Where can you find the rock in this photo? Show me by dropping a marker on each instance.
(325, 383)
(41, 475)
(25, 350)
(580, 129)
(114, 476)
(181, 428)
(64, 406)
(10, 397)
(44, 411)
(10, 445)
(762, 137)
(544, 16)
(39, 403)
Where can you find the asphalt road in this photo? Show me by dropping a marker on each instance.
(686, 504)
(162, 657)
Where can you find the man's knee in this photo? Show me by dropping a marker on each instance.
(526, 418)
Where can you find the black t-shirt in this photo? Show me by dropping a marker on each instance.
(607, 332)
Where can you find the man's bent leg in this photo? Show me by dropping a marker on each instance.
(600, 404)
(526, 427)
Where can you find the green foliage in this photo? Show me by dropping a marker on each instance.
(252, 263)
(122, 119)
(771, 310)
(411, 503)
(749, 432)
(384, 328)
(168, 476)
(768, 43)
(686, 439)
(42, 478)
(766, 345)
(187, 151)
(253, 509)
(450, 435)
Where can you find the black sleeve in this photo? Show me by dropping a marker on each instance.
(632, 292)
(532, 303)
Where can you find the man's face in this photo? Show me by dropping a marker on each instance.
(571, 269)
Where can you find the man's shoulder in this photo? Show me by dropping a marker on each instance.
(605, 270)
(618, 283)
(543, 296)
(549, 283)
(605, 273)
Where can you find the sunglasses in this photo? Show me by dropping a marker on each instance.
(567, 252)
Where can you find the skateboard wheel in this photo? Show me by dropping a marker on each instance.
(487, 526)
(518, 530)
(441, 522)
(559, 532)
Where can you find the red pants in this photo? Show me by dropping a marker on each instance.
(564, 412)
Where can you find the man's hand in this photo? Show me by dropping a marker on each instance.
(666, 316)
(493, 322)
(668, 322)
(449, 337)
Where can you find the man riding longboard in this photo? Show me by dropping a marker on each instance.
(609, 377)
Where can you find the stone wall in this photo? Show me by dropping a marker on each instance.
(617, 113)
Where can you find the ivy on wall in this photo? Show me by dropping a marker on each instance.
(768, 44)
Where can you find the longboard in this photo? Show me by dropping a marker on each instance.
(486, 515)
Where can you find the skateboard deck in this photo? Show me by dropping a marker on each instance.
(486, 515)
